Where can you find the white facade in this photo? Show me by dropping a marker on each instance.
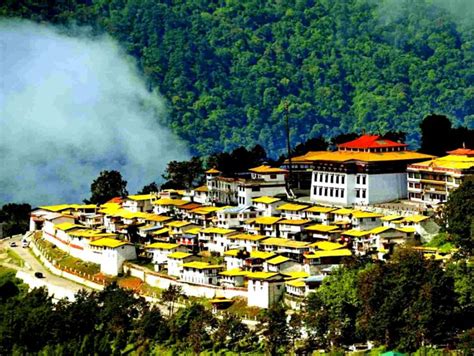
(341, 189)
(175, 264)
(112, 259)
(200, 275)
(249, 190)
(263, 293)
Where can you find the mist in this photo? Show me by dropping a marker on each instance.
(71, 107)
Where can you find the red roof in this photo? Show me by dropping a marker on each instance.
(117, 200)
(371, 141)
(462, 152)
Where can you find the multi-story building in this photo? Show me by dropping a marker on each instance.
(431, 182)
(364, 171)
(260, 181)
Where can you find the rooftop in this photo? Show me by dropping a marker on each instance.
(266, 200)
(370, 141)
(264, 169)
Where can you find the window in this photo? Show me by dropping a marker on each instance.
(320, 190)
(255, 189)
(273, 176)
(342, 179)
(363, 193)
(364, 180)
(326, 177)
(337, 193)
(342, 193)
(337, 179)
(325, 192)
(357, 193)
(331, 192)
(332, 178)
(315, 190)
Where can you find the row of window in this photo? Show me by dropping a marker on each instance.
(328, 192)
(330, 178)
(361, 193)
(361, 179)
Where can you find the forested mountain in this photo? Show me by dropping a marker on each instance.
(227, 67)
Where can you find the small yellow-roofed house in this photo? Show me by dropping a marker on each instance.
(292, 228)
(239, 258)
(292, 211)
(175, 261)
(393, 220)
(264, 225)
(167, 205)
(111, 254)
(320, 214)
(318, 260)
(201, 273)
(280, 264)
(323, 232)
(425, 227)
(296, 287)
(233, 277)
(264, 289)
(326, 246)
(382, 239)
(216, 239)
(365, 220)
(66, 226)
(201, 195)
(139, 202)
(248, 242)
(291, 248)
(160, 251)
(267, 205)
(179, 228)
(342, 214)
(203, 215)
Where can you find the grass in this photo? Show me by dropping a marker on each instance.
(15, 258)
(66, 260)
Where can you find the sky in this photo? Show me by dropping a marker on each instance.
(71, 107)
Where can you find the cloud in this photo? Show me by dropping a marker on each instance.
(69, 108)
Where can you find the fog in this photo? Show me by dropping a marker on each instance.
(69, 108)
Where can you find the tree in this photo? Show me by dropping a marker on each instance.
(229, 333)
(184, 174)
(459, 216)
(274, 326)
(435, 135)
(15, 218)
(149, 188)
(108, 185)
(170, 296)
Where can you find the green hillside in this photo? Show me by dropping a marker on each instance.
(226, 67)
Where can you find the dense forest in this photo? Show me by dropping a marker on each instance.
(227, 68)
(404, 304)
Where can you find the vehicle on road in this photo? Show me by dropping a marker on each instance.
(24, 243)
(39, 275)
(13, 244)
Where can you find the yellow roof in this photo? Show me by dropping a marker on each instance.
(162, 231)
(156, 217)
(169, 201)
(213, 171)
(453, 162)
(262, 275)
(108, 242)
(264, 169)
(278, 260)
(205, 210)
(322, 228)
(56, 208)
(320, 209)
(178, 255)
(247, 237)
(343, 211)
(297, 283)
(327, 245)
(163, 245)
(202, 188)
(264, 255)
(234, 272)
(292, 207)
(232, 253)
(355, 233)
(266, 200)
(334, 253)
(391, 217)
(65, 226)
(379, 230)
(295, 274)
(180, 223)
(201, 265)
(277, 241)
(217, 230)
(294, 222)
(365, 214)
(345, 156)
(139, 197)
(193, 231)
(416, 218)
(266, 220)
(407, 229)
(91, 233)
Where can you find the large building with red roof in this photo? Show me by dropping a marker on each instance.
(367, 170)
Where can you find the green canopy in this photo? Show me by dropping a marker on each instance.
(393, 353)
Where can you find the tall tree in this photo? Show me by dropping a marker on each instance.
(108, 185)
(435, 135)
(15, 218)
(275, 329)
(184, 174)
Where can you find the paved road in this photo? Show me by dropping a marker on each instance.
(32, 265)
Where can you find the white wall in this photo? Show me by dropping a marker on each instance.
(387, 187)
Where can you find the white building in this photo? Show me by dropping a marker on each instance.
(293, 229)
(292, 211)
(176, 261)
(216, 239)
(201, 273)
(364, 171)
(263, 225)
(248, 242)
(267, 205)
(233, 278)
(112, 253)
(234, 217)
(320, 214)
(280, 264)
(365, 220)
(432, 181)
(243, 259)
(139, 203)
(160, 251)
(264, 289)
